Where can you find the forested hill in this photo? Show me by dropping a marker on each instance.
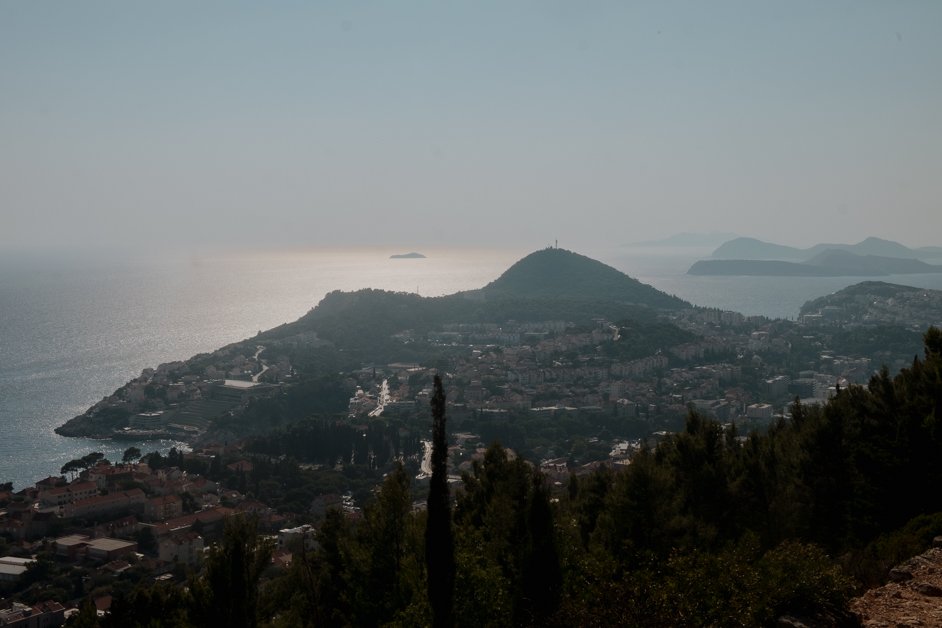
(552, 284)
(559, 273)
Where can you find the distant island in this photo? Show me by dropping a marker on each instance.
(412, 255)
(753, 249)
(827, 264)
(872, 257)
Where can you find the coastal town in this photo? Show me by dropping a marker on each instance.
(100, 525)
(728, 366)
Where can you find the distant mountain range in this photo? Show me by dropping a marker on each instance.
(827, 264)
(872, 257)
(753, 249)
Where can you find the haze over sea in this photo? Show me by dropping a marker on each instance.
(71, 333)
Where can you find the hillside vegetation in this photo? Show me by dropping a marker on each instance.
(557, 273)
(706, 529)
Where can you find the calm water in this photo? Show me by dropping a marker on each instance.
(775, 297)
(73, 333)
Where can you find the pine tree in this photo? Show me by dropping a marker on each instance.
(439, 543)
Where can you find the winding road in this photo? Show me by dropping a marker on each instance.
(255, 377)
(425, 470)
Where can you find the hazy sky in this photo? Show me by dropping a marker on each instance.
(205, 125)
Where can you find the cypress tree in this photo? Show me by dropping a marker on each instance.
(439, 542)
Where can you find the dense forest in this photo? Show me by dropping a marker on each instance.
(711, 527)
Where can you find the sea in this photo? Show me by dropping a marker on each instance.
(74, 330)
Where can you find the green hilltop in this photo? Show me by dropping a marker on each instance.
(559, 273)
(552, 284)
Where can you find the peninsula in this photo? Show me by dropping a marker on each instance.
(555, 330)
(291, 371)
(412, 255)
